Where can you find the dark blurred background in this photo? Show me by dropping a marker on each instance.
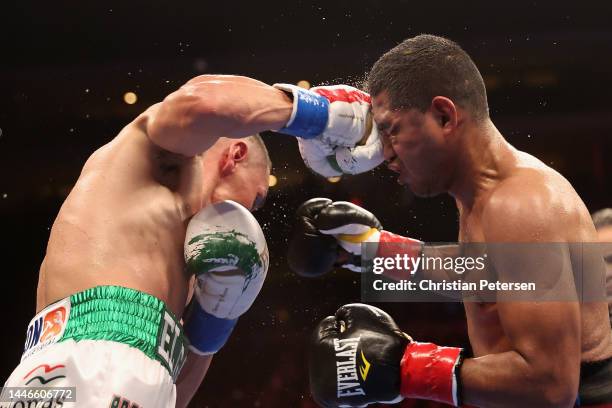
(65, 69)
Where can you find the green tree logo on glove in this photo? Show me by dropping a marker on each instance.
(219, 251)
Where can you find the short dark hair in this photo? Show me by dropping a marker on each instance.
(602, 218)
(425, 66)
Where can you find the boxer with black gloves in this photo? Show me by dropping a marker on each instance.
(429, 103)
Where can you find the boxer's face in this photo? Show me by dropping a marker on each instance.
(415, 147)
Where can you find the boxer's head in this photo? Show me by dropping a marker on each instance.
(426, 91)
(244, 170)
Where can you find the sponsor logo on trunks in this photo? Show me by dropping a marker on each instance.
(44, 374)
(171, 345)
(347, 365)
(121, 402)
(46, 327)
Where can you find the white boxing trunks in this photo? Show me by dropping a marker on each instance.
(107, 346)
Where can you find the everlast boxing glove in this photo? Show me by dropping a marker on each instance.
(360, 356)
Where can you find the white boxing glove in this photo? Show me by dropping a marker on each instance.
(333, 161)
(226, 249)
(335, 131)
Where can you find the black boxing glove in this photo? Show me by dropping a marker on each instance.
(352, 226)
(315, 248)
(310, 252)
(360, 356)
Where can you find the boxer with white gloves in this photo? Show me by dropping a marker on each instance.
(113, 285)
(335, 130)
(113, 281)
(227, 251)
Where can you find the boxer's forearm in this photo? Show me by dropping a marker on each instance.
(191, 119)
(191, 377)
(500, 380)
(433, 270)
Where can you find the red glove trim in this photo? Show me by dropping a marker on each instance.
(343, 94)
(390, 245)
(428, 372)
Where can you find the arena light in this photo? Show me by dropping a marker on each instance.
(130, 98)
(334, 179)
(272, 180)
(303, 84)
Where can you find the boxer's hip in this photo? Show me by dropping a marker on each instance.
(115, 314)
(595, 384)
(111, 344)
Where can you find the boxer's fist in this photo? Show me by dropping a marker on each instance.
(360, 356)
(350, 224)
(355, 358)
(226, 249)
(329, 234)
(335, 129)
(311, 253)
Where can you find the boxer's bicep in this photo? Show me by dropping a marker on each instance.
(544, 335)
(542, 366)
(524, 246)
(191, 119)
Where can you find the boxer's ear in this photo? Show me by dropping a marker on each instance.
(235, 153)
(445, 112)
(238, 151)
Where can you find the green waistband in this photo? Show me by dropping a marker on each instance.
(130, 317)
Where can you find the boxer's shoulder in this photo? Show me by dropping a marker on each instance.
(530, 204)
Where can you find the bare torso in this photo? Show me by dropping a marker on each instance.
(484, 328)
(124, 222)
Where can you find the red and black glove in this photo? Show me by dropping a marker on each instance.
(360, 357)
(324, 228)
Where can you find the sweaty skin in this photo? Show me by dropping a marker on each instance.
(524, 351)
(124, 221)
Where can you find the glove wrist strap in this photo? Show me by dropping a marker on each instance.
(206, 333)
(310, 112)
(431, 372)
